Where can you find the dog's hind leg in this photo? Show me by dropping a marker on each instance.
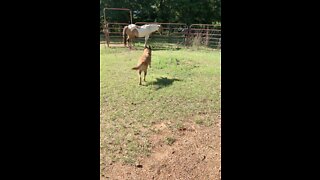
(139, 77)
(144, 77)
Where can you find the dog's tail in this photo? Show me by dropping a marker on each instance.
(137, 67)
(124, 35)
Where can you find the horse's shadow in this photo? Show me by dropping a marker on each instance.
(162, 82)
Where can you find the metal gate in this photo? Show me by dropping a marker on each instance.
(113, 30)
(204, 34)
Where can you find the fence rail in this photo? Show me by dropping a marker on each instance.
(181, 33)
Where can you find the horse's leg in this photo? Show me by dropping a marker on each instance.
(139, 77)
(145, 40)
(132, 43)
(128, 41)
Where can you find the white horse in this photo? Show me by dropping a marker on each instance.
(134, 31)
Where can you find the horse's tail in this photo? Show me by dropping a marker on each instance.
(125, 36)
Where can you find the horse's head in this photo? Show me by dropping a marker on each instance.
(160, 29)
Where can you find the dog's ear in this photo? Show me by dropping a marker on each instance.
(149, 47)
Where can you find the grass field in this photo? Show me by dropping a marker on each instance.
(182, 85)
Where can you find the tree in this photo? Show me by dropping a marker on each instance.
(183, 11)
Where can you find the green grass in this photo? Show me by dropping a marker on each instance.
(170, 140)
(182, 85)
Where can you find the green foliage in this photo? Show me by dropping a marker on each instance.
(170, 140)
(183, 11)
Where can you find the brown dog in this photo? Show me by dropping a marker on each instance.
(143, 63)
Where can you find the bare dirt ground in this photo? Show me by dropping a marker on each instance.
(194, 155)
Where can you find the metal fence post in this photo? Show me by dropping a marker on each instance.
(207, 36)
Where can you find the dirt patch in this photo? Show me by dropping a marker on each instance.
(195, 154)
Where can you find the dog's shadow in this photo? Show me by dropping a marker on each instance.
(162, 82)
